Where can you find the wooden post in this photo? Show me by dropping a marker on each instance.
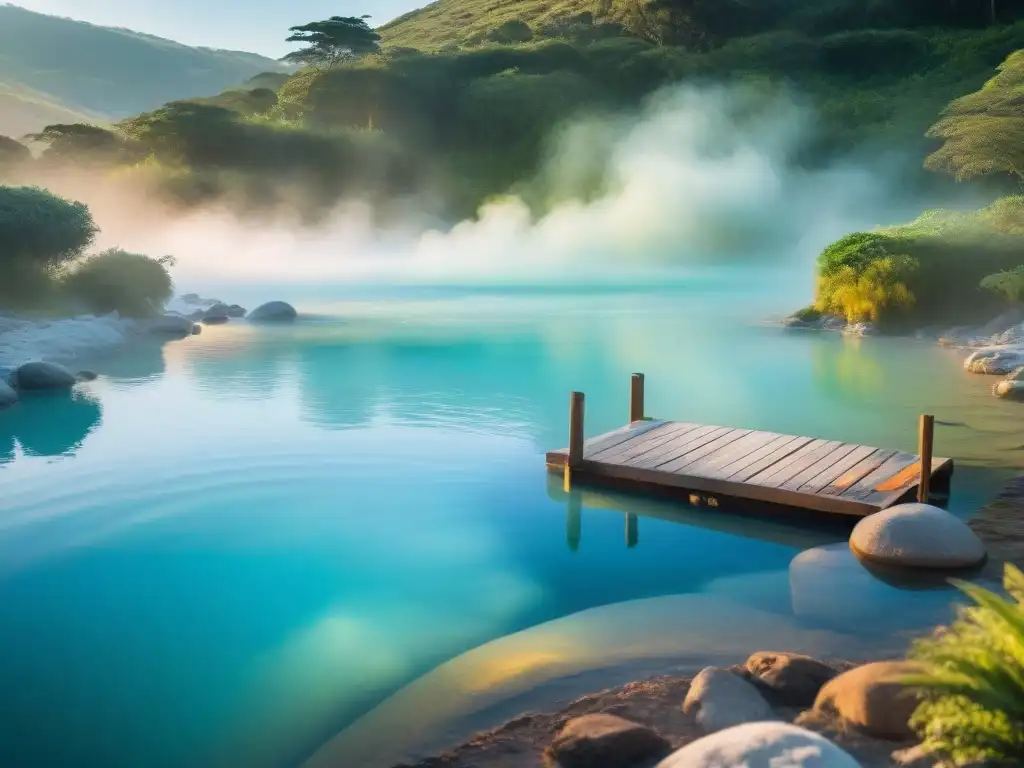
(925, 443)
(575, 457)
(636, 398)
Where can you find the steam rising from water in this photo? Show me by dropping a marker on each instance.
(698, 175)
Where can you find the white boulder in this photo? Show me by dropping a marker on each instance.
(761, 745)
(917, 536)
(997, 361)
(1009, 389)
(721, 699)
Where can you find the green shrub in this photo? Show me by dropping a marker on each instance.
(872, 292)
(973, 680)
(512, 31)
(808, 314)
(39, 232)
(133, 284)
(1009, 284)
(867, 52)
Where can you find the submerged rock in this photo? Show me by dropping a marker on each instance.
(720, 699)
(7, 394)
(274, 311)
(872, 698)
(606, 741)
(917, 536)
(758, 745)
(40, 375)
(791, 678)
(997, 361)
(170, 324)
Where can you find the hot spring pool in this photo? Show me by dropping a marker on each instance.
(230, 549)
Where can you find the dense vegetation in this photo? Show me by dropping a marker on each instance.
(43, 242)
(973, 712)
(58, 70)
(946, 265)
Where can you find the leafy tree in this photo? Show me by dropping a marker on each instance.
(39, 232)
(983, 132)
(973, 680)
(1009, 283)
(869, 292)
(39, 226)
(333, 41)
(80, 142)
(133, 284)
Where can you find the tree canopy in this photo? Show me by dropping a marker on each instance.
(983, 132)
(39, 226)
(79, 142)
(333, 41)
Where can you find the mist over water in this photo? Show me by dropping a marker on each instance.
(698, 176)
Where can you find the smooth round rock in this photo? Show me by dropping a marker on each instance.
(917, 536)
(215, 319)
(791, 678)
(273, 312)
(1010, 389)
(87, 376)
(761, 745)
(8, 396)
(720, 699)
(236, 310)
(197, 329)
(605, 741)
(218, 309)
(871, 698)
(41, 375)
(176, 325)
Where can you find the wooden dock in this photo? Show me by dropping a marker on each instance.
(709, 461)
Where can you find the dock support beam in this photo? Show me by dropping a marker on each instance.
(576, 408)
(636, 398)
(926, 440)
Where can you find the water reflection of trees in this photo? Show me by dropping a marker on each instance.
(48, 424)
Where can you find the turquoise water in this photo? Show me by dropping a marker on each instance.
(230, 549)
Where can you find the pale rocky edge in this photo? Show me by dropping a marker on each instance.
(809, 712)
(62, 341)
(995, 348)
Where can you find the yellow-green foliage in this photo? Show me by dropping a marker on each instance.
(867, 293)
(929, 270)
(983, 132)
(973, 683)
(130, 283)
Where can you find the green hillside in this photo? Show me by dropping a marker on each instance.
(459, 22)
(58, 70)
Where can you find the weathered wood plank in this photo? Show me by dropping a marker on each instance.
(827, 476)
(866, 485)
(761, 460)
(608, 439)
(645, 443)
(668, 427)
(691, 461)
(736, 451)
(687, 442)
(823, 464)
(883, 499)
(858, 472)
(785, 468)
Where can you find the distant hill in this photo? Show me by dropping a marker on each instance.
(56, 70)
(454, 22)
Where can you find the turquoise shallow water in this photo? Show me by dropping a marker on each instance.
(229, 549)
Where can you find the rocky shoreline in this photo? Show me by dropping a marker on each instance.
(664, 721)
(39, 354)
(993, 349)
